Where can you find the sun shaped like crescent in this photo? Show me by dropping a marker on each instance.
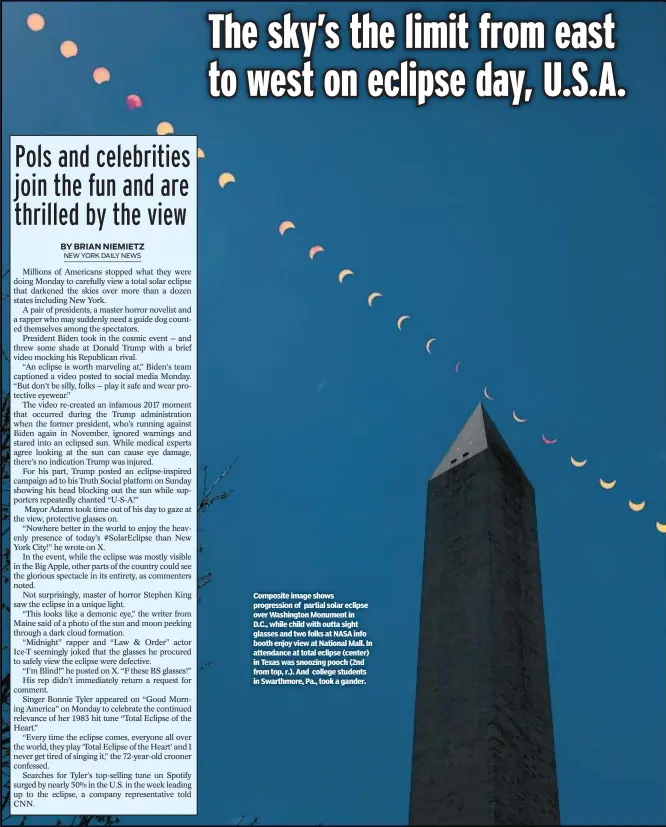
(314, 250)
(457, 367)
(661, 527)
(372, 297)
(487, 395)
(578, 463)
(228, 178)
(401, 321)
(286, 225)
(607, 485)
(517, 418)
(342, 275)
(636, 506)
(547, 441)
(429, 343)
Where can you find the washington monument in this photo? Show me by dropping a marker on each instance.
(484, 751)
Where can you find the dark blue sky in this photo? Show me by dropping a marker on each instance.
(528, 241)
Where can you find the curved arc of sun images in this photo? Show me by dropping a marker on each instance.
(102, 75)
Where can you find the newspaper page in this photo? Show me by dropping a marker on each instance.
(418, 252)
(103, 356)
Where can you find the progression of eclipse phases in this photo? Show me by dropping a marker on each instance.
(133, 101)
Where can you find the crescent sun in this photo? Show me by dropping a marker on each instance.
(286, 225)
(401, 321)
(342, 275)
(372, 297)
(547, 441)
(517, 418)
(487, 395)
(636, 506)
(457, 367)
(314, 250)
(228, 178)
(661, 527)
(578, 463)
(607, 485)
(428, 343)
